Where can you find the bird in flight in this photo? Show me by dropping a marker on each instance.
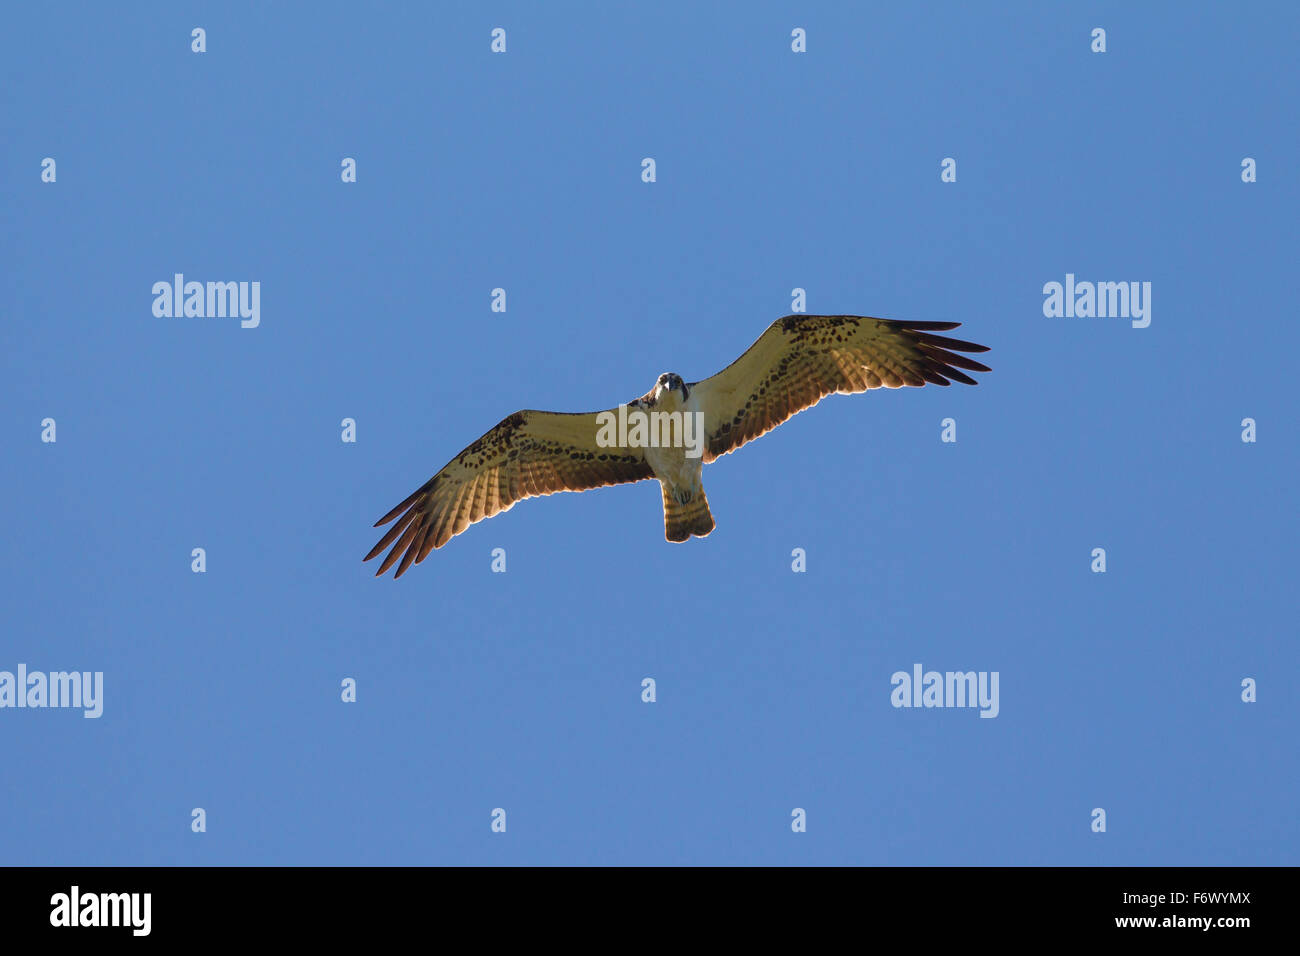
(673, 430)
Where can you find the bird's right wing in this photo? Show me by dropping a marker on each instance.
(530, 453)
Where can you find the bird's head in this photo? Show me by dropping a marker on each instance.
(670, 382)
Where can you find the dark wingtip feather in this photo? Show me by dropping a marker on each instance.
(427, 546)
(406, 561)
(944, 357)
(393, 532)
(398, 548)
(940, 352)
(924, 326)
(957, 376)
(943, 342)
(406, 503)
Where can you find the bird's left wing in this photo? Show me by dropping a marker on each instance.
(801, 359)
(530, 453)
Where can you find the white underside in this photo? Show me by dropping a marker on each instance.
(674, 465)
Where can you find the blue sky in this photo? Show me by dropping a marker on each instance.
(775, 170)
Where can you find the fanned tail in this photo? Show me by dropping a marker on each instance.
(681, 520)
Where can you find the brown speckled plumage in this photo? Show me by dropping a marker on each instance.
(529, 453)
(796, 363)
(801, 359)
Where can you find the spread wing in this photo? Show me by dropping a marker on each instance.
(801, 359)
(530, 453)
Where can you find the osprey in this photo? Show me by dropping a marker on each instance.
(796, 363)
